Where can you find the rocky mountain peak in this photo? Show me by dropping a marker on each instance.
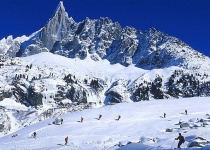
(60, 6)
(56, 29)
(60, 11)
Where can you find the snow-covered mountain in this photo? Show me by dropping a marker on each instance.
(104, 39)
(68, 66)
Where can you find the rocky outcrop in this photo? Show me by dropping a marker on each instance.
(4, 121)
(34, 97)
(57, 28)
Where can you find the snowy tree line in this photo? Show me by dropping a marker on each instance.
(180, 84)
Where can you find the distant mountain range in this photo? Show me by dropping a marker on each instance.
(94, 62)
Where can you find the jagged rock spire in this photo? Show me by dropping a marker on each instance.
(60, 10)
(57, 28)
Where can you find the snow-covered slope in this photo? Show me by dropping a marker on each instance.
(139, 122)
(47, 85)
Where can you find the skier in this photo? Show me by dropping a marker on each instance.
(99, 117)
(118, 118)
(34, 135)
(203, 124)
(66, 140)
(181, 140)
(61, 120)
(164, 115)
(185, 112)
(81, 119)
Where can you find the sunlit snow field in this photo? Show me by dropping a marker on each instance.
(141, 121)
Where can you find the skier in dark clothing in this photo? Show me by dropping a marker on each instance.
(34, 135)
(181, 140)
(164, 115)
(66, 140)
(185, 112)
(61, 120)
(99, 117)
(81, 119)
(118, 118)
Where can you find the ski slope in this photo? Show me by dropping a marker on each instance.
(141, 121)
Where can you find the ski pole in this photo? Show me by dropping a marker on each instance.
(172, 144)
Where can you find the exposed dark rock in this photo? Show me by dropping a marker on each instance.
(34, 97)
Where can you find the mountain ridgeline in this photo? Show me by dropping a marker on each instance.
(104, 39)
(150, 65)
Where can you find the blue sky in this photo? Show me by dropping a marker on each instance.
(188, 20)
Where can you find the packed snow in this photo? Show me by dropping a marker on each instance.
(141, 123)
